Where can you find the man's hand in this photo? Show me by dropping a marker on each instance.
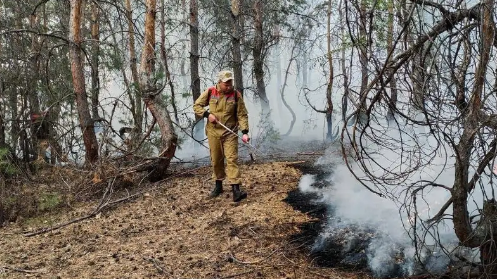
(245, 138)
(212, 118)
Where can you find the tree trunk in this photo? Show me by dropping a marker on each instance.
(345, 97)
(165, 60)
(329, 86)
(2, 115)
(279, 82)
(78, 78)
(136, 104)
(235, 41)
(95, 63)
(282, 92)
(418, 68)
(392, 103)
(198, 133)
(363, 57)
(418, 80)
(464, 149)
(34, 102)
(150, 90)
(33, 73)
(259, 59)
(14, 99)
(488, 248)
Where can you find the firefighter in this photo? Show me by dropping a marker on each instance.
(226, 106)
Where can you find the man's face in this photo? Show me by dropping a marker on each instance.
(226, 86)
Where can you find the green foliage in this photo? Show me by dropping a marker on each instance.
(268, 135)
(112, 60)
(8, 202)
(6, 167)
(186, 94)
(272, 135)
(377, 4)
(380, 24)
(159, 75)
(134, 86)
(49, 201)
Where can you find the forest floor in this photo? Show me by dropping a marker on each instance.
(170, 229)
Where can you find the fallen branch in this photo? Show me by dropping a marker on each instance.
(311, 153)
(238, 274)
(156, 264)
(234, 259)
(22, 270)
(105, 203)
(45, 230)
(320, 275)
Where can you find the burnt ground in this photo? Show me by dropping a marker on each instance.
(170, 229)
(346, 248)
(331, 252)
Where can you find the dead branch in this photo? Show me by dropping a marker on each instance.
(234, 259)
(238, 274)
(105, 203)
(156, 264)
(21, 270)
(319, 274)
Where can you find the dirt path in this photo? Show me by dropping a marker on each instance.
(174, 231)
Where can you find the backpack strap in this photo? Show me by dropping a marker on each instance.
(213, 88)
(236, 105)
(209, 94)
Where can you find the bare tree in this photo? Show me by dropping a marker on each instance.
(34, 21)
(165, 59)
(194, 64)
(343, 66)
(361, 39)
(293, 57)
(390, 40)
(329, 86)
(2, 116)
(258, 54)
(236, 45)
(457, 123)
(136, 96)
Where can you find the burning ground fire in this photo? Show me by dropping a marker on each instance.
(362, 240)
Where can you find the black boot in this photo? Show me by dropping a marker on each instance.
(238, 194)
(218, 189)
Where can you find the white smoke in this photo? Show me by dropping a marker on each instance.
(391, 250)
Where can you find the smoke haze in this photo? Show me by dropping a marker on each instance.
(385, 223)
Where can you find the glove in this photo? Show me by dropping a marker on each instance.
(245, 138)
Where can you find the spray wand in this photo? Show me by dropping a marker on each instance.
(248, 144)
